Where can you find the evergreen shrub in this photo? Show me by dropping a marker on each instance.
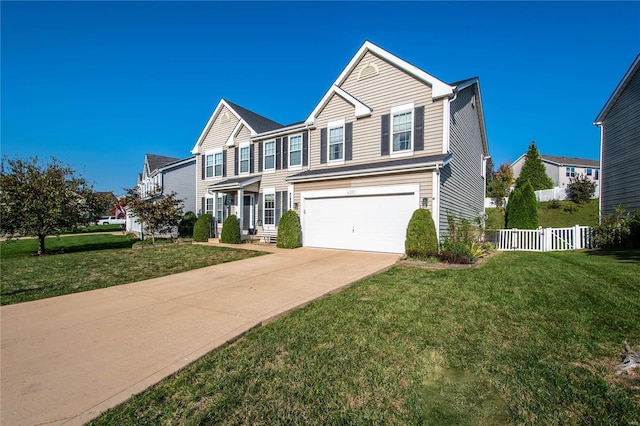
(231, 231)
(421, 239)
(185, 227)
(202, 228)
(289, 231)
(522, 209)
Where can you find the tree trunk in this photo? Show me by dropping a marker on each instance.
(41, 244)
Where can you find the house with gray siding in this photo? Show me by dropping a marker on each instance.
(562, 169)
(167, 174)
(386, 139)
(619, 123)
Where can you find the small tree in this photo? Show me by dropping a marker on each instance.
(581, 189)
(500, 184)
(202, 228)
(522, 209)
(533, 170)
(421, 239)
(44, 199)
(231, 231)
(158, 213)
(289, 231)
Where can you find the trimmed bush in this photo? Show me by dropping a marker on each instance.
(580, 189)
(185, 227)
(202, 228)
(231, 231)
(289, 231)
(422, 240)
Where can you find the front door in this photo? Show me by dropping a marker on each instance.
(248, 213)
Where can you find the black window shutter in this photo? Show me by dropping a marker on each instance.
(260, 209)
(202, 206)
(305, 149)
(348, 141)
(323, 146)
(278, 154)
(418, 129)
(204, 166)
(252, 156)
(285, 152)
(384, 135)
(285, 201)
(224, 163)
(260, 158)
(236, 153)
(278, 207)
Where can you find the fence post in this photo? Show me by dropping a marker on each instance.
(577, 238)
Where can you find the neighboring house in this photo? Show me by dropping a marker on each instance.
(168, 174)
(562, 169)
(386, 139)
(619, 123)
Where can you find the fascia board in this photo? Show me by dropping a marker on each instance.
(635, 67)
(203, 134)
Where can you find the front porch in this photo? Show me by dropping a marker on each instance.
(239, 197)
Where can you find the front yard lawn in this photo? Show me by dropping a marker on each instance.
(87, 262)
(525, 338)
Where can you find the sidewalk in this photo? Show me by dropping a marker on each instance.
(67, 359)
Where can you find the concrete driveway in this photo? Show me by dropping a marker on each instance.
(66, 359)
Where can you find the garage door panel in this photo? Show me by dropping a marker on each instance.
(374, 222)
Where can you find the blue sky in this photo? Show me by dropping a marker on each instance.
(99, 84)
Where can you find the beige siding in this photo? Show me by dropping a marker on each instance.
(336, 109)
(243, 135)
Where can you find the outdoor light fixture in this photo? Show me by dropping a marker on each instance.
(424, 203)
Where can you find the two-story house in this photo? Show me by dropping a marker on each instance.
(562, 169)
(166, 174)
(386, 139)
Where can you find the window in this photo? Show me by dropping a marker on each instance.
(219, 207)
(208, 166)
(589, 172)
(209, 206)
(295, 151)
(244, 159)
(336, 141)
(217, 164)
(270, 155)
(571, 172)
(402, 129)
(270, 209)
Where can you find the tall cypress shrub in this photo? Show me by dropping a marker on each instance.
(522, 209)
(421, 239)
(530, 204)
(533, 170)
(231, 231)
(289, 231)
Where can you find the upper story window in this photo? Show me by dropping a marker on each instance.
(336, 140)
(208, 159)
(295, 151)
(571, 172)
(402, 128)
(589, 172)
(244, 158)
(217, 164)
(270, 155)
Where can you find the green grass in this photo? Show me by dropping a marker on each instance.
(584, 215)
(88, 262)
(525, 338)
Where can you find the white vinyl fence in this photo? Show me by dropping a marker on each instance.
(545, 239)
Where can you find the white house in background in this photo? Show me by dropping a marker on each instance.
(619, 123)
(169, 174)
(562, 169)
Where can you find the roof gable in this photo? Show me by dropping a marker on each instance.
(633, 70)
(154, 162)
(252, 121)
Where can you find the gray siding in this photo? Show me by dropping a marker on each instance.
(181, 179)
(620, 184)
(461, 181)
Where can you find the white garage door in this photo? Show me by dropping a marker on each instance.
(368, 219)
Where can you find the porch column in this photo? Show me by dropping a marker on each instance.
(240, 207)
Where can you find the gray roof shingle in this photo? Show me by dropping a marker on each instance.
(570, 161)
(156, 162)
(257, 122)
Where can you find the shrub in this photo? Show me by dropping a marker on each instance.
(620, 229)
(202, 228)
(580, 189)
(421, 239)
(185, 227)
(463, 242)
(522, 210)
(289, 231)
(554, 204)
(231, 231)
(634, 230)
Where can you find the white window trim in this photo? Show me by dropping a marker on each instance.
(296, 166)
(397, 110)
(219, 208)
(213, 204)
(212, 153)
(248, 160)
(218, 151)
(265, 192)
(264, 157)
(334, 125)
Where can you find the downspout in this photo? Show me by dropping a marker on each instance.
(435, 183)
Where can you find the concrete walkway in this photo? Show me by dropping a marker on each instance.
(66, 359)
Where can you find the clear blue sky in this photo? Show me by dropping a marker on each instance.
(99, 84)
